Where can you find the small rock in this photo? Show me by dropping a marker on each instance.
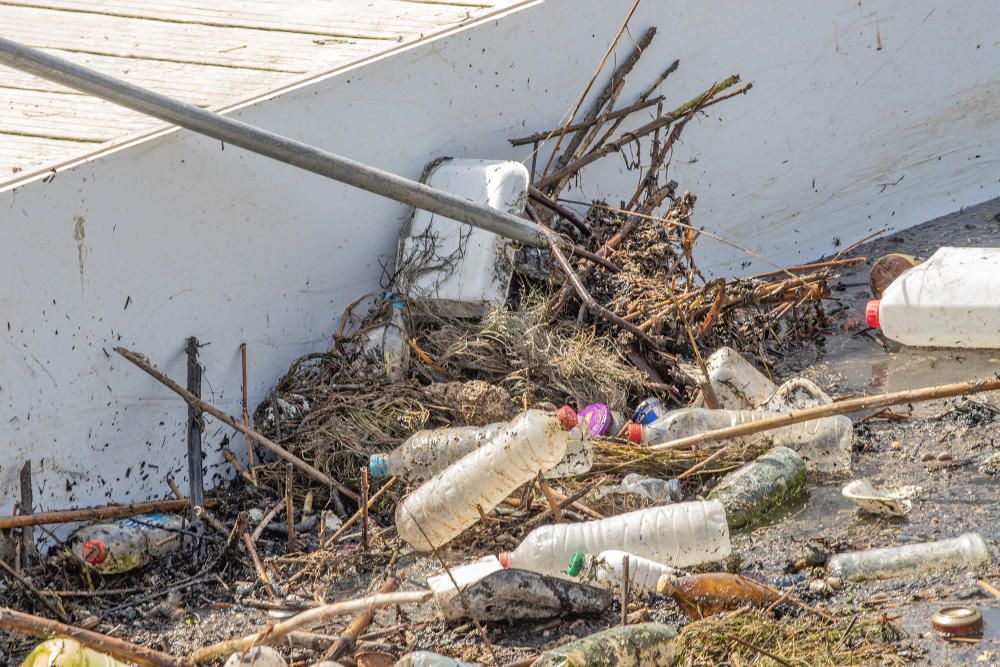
(944, 456)
(927, 457)
(897, 444)
(991, 465)
(834, 583)
(817, 586)
(519, 594)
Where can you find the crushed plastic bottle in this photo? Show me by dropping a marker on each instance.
(771, 480)
(426, 453)
(639, 645)
(119, 546)
(66, 652)
(701, 595)
(606, 570)
(681, 535)
(824, 444)
(950, 300)
(656, 491)
(451, 501)
(965, 551)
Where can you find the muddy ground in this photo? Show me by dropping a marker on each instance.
(937, 447)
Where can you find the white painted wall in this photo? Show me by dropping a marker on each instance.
(231, 247)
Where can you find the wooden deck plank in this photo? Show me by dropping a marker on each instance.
(385, 19)
(174, 79)
(211, 54)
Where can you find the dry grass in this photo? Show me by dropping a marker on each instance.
(803, 641)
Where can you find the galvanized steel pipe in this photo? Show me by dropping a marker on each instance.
(267, 143)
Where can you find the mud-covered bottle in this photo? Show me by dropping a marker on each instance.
(119, 546)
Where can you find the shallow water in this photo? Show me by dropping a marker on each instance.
(938, 448)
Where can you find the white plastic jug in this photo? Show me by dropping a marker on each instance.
(450, 502)
(951, 300)
(681, 534)
(737, 383)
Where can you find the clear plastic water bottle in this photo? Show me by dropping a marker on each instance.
(606, 570)
(965, 551)
(450, 502)
(737, 383)
(123, 545)
(950, 300)
(824, 444)
(652, 489)
(680, 535)
(426, 453)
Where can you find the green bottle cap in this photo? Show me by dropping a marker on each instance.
(576, 563)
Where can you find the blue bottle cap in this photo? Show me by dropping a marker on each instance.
(377, 465)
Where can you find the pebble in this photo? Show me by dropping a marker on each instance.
(897, 444)
(991, 465)
(834, 583)
(817, 586)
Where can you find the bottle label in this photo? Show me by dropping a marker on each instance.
(147, 520)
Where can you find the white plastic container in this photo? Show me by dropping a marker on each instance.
(450, 502)
(824, 444)
(950, 300)
(965, 551)
(606, 570)
(123, 545)
(443, 585)
(452, 267)
(680, 535)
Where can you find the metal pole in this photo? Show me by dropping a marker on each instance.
(267, 143)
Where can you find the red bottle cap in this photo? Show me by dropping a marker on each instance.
(871, 313)
(634, 433)
(567, 417)
(94, 551)
(504, 558)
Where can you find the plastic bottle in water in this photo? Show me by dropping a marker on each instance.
(65, 652)
(426, 453)
(679, 535)
(451, 501)
(123, 545)
(737, 383)
(606, 569)
(824, 444)
(965, 551)
(950, 300)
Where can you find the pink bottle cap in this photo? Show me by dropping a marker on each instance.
(598, 418)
